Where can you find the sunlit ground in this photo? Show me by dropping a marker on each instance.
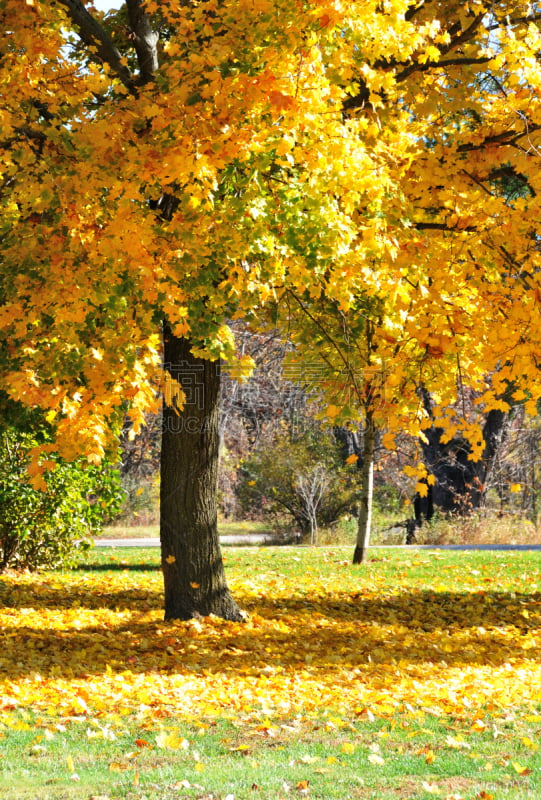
(451, 633)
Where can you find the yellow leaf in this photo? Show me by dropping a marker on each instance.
(516, 487)
(527, 742)
(170, 559)
(457, 743)
(520, 769)
(431, 788)
(199, 767)
(352, 459)
(170, 741)
(348, 748)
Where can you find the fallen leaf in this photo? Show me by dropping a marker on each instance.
(520, 769)
(431, 788)
(142, 743)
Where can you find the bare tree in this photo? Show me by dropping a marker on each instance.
(311, 486)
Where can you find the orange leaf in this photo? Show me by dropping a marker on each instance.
(142, 743)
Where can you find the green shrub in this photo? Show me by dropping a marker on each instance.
(44, 529)
(281, 476)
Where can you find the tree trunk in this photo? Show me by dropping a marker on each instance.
(193, 572)
(367, 487)
(460, 483)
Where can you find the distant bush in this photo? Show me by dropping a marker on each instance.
(45, 529)
(305, 478)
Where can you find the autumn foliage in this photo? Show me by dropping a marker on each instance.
(383, 156)
(364, 175)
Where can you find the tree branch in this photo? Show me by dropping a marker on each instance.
(96, 39)
(515, 21)
(413, 10)
(363, 94)
(505, 138)
(145, 41)
(466, 35)
(478, 182)
(449, 62)
(442, 226)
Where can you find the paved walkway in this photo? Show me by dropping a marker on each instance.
(250, 539)
(259, 538)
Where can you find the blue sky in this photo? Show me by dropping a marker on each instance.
(105, 5)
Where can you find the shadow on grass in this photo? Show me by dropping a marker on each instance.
(120, 567)
(339, 631)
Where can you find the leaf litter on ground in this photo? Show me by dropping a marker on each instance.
(404, 637)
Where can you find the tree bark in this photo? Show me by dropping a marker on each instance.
(460, 483)
(193, 573)
(367, 487)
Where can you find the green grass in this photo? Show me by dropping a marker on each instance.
(410, 566)
(326, 757)
(408, 752)
(487, 526)
(225, 528)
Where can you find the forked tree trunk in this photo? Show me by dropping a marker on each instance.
(193, 572)
(461, 483)
(367, 487)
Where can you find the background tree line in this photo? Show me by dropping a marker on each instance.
(281, 460)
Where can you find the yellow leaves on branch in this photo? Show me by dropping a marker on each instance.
(342, 151)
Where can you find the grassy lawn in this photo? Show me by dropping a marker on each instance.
(486, 527)
(144, 531)
(416, 675)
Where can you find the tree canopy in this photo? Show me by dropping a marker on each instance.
(197, 162)
(383, 151)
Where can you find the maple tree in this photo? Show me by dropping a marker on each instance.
(180, 164)
(449, 295)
